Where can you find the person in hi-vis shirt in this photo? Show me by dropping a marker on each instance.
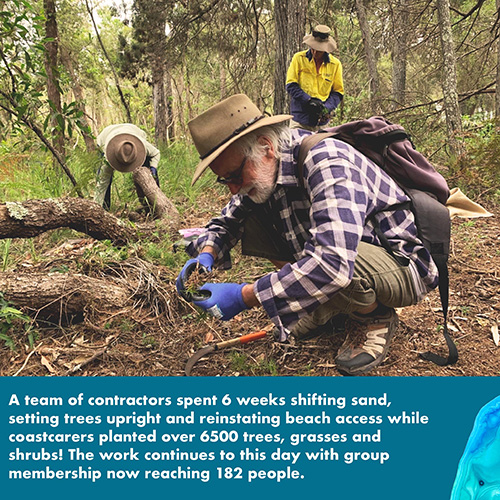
(314, 81)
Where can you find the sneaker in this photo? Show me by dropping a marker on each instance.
(367, 342)
(307, 328)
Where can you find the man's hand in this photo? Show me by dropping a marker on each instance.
(202, 264)
(315, 109)
(225, 301)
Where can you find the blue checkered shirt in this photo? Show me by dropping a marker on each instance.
(322, 226)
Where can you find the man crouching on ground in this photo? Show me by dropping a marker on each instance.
(321, 238)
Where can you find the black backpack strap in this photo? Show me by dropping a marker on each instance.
(444, 284)
(305, 146)
(441, 262)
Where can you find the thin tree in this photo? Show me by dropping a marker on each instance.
(105, 52)
(77, 88)
(370, 56)
(449, 79)
(400, 21)
(52, 71)
(497, 93)
(150, 22)
(289, 18)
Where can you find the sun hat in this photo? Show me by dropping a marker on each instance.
(221, 125)
(320, 39)
(125, 152)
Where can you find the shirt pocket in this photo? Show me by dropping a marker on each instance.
(325, 84)
(307, 82)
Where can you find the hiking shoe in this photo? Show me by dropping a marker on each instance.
(367, 342)
(307, 328)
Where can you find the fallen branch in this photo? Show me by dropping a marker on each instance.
(151, 195)
(62, 295)
(26, 219)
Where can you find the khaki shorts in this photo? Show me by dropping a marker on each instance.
(377, 275)
(312, 128)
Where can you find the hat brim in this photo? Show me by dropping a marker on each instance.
(204, 164)
(328, 45)
(111, 152)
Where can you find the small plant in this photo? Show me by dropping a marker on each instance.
(6, 253)
(63, 268)
(104, 253)
(239, 362)
(126, 326)
(11, 317)
(148, 340)
(268, 367)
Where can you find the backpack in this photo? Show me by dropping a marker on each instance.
(389, 146)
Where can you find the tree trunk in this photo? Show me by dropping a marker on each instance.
(159, 99)
(152, 196)
(152, 18)
(449, 79)
(497, 93)
(223, 78)
(400, 16)
(106, 55)
(289, 18)
(78, 94)
(51, 68)
(169, 98)
(30, 218)
(371, 59)
(62, 295)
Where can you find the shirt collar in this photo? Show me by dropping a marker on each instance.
(287, 174)
(326, 56)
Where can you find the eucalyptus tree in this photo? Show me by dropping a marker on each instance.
(449, 77)
(104, 49)
(23, 79)
(290, 21)
(52, 70)
(370, 55)
(497, 94)
(400, 14)
(150, 21)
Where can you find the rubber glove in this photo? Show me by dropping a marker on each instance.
(315, 107)
(225, 301)
(202, 263)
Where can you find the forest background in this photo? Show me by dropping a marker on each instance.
(69, 68)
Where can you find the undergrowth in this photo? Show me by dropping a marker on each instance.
(13, 320)
(478, 171)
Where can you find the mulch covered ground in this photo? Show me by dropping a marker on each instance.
(159, 332)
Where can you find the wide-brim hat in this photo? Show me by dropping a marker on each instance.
(320, 39)
(226, 122)
(125, 152)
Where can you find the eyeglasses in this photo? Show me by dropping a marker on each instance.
(235, 178)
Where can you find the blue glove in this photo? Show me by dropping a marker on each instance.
(202, 263)
(225, 301)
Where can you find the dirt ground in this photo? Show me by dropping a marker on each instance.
(158, 332)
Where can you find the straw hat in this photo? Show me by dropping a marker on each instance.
(320, 39)
(221, 125)
(125, 152)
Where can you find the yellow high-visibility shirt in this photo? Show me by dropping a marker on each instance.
(316, 84)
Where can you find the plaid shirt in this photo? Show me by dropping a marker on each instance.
(322, 226)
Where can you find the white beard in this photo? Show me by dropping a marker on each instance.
(264, 183)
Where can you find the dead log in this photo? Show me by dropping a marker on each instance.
(26, 219)
(62, 295)
(152, 196)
